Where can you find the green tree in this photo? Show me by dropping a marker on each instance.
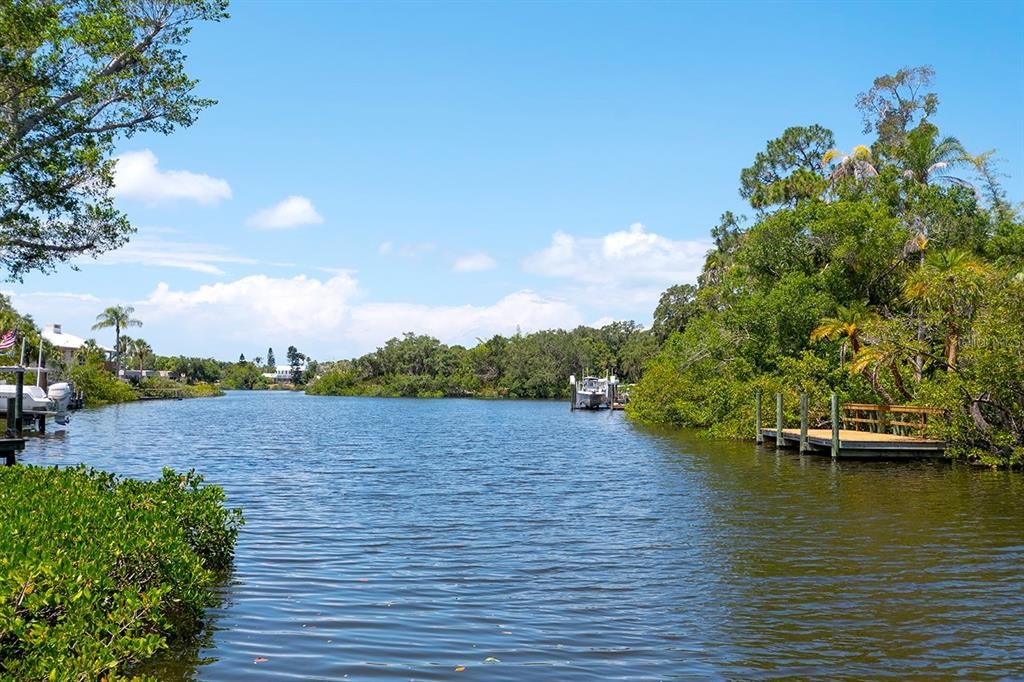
(676, 307)
(850, 321)
(75, 77)
(895, 104)
(140, 351)
(295, 359)
(857, 165)
(948, 288)
(924, 156)
(271, 362)
(788, 170)
(119, 317)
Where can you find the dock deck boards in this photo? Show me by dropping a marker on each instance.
(862, 443)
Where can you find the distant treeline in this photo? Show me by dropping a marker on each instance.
(534, 365)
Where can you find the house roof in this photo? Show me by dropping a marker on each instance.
(62, 340)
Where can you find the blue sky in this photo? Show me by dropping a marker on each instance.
(463, 169)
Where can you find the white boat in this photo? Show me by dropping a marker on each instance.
(37, 401)
(592, 393)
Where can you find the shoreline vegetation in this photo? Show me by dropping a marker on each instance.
(523, 366)
(99, 573)
(892, 273)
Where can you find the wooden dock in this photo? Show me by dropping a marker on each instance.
(9, 448)
(857, 430)
(862, 444)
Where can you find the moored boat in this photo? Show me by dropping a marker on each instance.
(592, 393)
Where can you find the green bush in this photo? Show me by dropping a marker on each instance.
(100, 386)
(200, 390)
(98, 573)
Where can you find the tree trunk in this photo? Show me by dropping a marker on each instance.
(117, 348)
(878, 388)
(898, 380)
(919, 360)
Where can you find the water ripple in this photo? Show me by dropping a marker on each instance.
(400, 539)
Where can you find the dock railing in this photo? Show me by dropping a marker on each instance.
(899, 420)
(159, 393)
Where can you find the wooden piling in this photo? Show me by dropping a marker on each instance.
(12, 413)
(19, 401)
(835, 426)
(803, 422)
(757, 411)
(780, 442)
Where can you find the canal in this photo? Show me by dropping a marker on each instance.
(392, 539)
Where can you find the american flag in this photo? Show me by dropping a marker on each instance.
(7, 340)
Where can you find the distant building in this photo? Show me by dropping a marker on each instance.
(147, 374)
(282, 374)
(67, 344)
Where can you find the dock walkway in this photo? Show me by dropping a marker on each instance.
(861, 443)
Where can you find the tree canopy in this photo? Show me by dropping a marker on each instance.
(74, 77)
(892, 281)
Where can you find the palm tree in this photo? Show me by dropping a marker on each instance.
(883, 354)
(850, 322)
(949, 283)
(88, 350)
(925, 157)
(857, 164)
(119, 317)
(140, 350)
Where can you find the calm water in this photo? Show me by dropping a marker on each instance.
(400, 539)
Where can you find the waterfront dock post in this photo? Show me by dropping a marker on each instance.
(803, 422)
(757, 415)
(19, 401)
(835, 426)
(780, 441)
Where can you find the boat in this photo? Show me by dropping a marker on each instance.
(39, 402)
(593, 393)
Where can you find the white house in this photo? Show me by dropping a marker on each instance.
(67, 344)
(282, 374)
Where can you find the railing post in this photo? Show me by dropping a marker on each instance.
(803, 422)
(757, 411)
(835, 425)
(779, 440)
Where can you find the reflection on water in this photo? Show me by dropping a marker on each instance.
(400, 539)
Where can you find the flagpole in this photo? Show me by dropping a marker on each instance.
(22, 362)
(39, 364)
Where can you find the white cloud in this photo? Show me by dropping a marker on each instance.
(290, 212)
(474, 262)
(136, 176)
(374, 323)
(300, 306)
(624, 271)
(634, 257)
(327, 317)
(156, 251)
(385, 248)
(53, 296)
